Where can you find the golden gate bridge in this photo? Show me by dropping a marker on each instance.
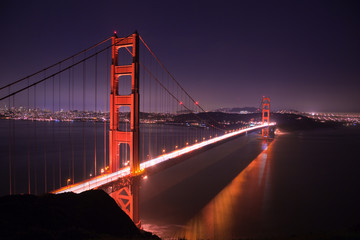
(67, 142)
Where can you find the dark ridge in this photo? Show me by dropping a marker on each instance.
(237, 109)
(285, 121)
(88, 215)
(293, 122)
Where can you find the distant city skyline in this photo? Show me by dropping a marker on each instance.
(303, 55)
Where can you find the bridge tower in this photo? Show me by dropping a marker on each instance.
(127, 196)
(265, 115)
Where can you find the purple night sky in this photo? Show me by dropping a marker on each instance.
(304, 55)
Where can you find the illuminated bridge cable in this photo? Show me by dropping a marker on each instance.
(53, 65)
(95, 115)
(28, 145)
(71, 135)
(60, 71)
(171, 94)
(106, 102)
(173, 78)
(53, 130)
(83, 123)
(163, 66)
(10, 156)
(162, 85)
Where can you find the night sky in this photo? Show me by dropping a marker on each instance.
(304, 55)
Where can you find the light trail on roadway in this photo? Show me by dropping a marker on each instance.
(110, 177)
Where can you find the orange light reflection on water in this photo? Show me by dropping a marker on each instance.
(218, 218)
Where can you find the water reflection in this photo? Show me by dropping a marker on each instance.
(236, 205)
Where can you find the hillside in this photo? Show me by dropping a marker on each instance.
(89, 215)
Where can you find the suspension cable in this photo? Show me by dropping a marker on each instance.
(60, 71)
(163, 66)
(173, 78)
(64, 60)
(180, 102)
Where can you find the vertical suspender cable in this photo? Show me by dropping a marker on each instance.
(45, 140)
(14, 147)
(53, 135)
(83, 122)
(28, 139)
(59, 142)
(142, 108)
(106, 103)
(59, 109)
(95, 120)
(70, 162)
(151, 126)
(10, 150)
(36, 142)
(156, 102)
(72, 134)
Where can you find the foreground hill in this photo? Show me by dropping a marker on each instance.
(89, 215)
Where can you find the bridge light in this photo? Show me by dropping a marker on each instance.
(203, 138)
(181, 103)
(163, 150)
(176, 146)
(102, 171)
(197, 103)
(145, 177)
(196, 140)
(187, 143)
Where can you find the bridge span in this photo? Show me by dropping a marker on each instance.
(74, 84)
(124, 172)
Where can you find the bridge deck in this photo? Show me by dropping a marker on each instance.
(107, 178)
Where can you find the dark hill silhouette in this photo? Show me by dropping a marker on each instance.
(89, 215)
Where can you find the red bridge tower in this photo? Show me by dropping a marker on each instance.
(265, 115)
(127, 196)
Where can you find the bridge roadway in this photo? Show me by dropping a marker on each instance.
(108, 178)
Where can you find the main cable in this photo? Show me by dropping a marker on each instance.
(53, 65)
(173, 78)
(60, 71)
